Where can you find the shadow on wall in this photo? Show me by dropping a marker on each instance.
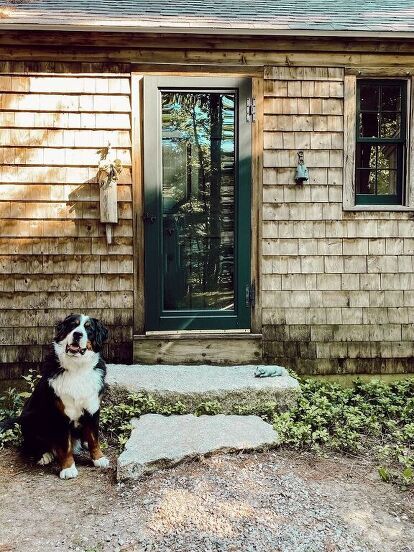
(51, 240)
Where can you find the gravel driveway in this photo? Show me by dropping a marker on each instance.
(279, 501)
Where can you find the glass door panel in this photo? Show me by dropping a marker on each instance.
(198, 182)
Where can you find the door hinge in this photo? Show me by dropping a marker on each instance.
(251, 110)
(250, 295)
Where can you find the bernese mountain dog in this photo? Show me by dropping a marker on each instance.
(62, 413)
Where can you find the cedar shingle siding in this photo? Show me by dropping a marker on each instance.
(335, 286)
(53, 254)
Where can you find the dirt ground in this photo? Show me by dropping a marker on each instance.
(273, 501)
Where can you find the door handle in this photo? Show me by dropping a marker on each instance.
(148, 218)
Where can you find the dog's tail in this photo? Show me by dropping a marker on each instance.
(8, 423)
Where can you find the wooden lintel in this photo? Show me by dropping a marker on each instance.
(199, 69)
(380, 72)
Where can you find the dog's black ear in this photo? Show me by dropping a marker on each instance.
(101, 334)
(60, 328)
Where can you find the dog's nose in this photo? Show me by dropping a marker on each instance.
(77, 336)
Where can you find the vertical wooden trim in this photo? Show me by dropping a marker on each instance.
(349, 141)
(410, 144)
(137, 202)
(257, 202)
(152, 201)
(244, 206)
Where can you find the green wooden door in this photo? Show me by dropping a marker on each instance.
(197, 181)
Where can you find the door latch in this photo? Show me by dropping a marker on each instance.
(250, 295)
(148, 218)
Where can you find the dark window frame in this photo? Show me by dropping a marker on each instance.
(401, 143)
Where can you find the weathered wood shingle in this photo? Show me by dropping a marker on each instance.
(53, 252)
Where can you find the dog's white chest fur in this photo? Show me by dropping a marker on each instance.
(78, 391)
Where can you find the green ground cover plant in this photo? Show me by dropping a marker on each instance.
(11, 404)
(370, 418)
(374, 419)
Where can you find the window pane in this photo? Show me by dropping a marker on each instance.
(176, 156)
(391, 98)
(366, 156)
(368, 125)
(369, 97)
(387, 156)
(390, 125)
(365, 181)
(386, 182)
(381, 136)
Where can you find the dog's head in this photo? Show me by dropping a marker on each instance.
(79, 335)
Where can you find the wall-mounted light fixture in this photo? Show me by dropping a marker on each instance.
(302, 173)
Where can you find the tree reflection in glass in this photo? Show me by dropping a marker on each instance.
(198, 191)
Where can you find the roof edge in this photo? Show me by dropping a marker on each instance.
(262, 31)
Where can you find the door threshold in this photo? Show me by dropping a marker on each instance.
(197, 332)
(225, 348)
(198, 335)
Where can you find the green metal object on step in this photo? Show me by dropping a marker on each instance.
(268, 371)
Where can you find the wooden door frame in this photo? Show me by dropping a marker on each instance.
(137, 74)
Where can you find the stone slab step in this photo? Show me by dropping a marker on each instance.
(159, 442)
(191, 385)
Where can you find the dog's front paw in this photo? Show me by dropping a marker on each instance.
(46, 459)
(69, 473)
(102, 462)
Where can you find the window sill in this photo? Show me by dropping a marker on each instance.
(373, 207)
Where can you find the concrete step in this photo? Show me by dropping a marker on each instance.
(159, 442)
(191, 385)
(198, 348)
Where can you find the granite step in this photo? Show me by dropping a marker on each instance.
(191, 385)
(159, 442)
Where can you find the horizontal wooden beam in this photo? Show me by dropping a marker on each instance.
(225, 348)
(220, 57)
(62, 68)
(203, 42)
(202, 70)
(394, 71)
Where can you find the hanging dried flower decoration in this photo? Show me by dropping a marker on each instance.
(108, 169)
